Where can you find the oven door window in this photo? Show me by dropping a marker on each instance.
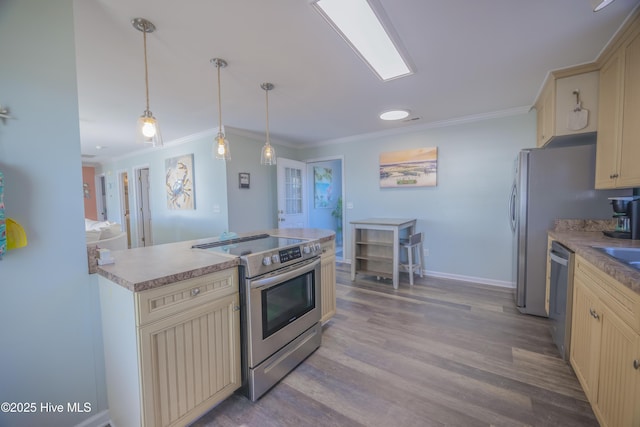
(284, 303)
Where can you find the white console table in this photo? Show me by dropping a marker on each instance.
(375, 246)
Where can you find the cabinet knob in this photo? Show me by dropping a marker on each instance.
(594, 314)
(195, 292)
(636, 364)
(236, 308)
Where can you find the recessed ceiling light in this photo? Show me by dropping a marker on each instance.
(600, 4)
(364, 29)
(394, 115)
(101, 147)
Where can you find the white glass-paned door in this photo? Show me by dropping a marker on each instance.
(291, 193)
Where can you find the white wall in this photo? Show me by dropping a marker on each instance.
(49, 313)
(464, 217)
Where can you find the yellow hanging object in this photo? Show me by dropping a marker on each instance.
(16, 237)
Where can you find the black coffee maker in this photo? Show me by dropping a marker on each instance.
(626, 211)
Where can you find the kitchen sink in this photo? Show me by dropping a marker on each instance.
(630, 256)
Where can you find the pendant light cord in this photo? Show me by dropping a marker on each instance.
(218, 65)
(267, 91)
(146, 69)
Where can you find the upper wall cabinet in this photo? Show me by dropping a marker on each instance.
(568, 104)
(619, 123)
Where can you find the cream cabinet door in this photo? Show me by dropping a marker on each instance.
(609, 122)
(629, 170)
(618, 377)
(618, 148)
(189, 362)
(545, 113)
(328, 272)
(585, 336)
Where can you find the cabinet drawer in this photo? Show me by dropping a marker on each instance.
(163, 301)
(620, 299)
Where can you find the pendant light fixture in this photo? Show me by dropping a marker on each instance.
(268, 156)
(221, 146)
(148, 130)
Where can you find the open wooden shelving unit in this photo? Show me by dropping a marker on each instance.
(374, 252)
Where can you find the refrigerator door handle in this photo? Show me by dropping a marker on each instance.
(512, 208)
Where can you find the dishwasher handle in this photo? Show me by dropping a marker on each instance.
(559, 260)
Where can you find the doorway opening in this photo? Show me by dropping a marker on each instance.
(326, 190)
(123, 179)
(143, 207)
(101, 197)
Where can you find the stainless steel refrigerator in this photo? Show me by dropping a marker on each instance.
(549, 184)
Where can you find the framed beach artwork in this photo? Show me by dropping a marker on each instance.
(322, 180)
(179, 182)
(409, 168)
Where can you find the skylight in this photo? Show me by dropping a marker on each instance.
(361, 28)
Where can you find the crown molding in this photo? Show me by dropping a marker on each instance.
(426, 126)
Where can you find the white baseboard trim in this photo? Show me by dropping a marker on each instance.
(100, 419)
(480, 280)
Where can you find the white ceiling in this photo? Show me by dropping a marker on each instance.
(471, 58)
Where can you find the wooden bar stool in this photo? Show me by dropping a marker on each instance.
(413, 245)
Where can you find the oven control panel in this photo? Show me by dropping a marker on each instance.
(290, 254)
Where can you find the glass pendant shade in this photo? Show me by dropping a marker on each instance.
(221, 147)
(147, 129)
(268, 155)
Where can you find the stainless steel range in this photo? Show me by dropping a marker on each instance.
(280, 299)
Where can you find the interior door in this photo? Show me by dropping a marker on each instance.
(101, 197)
(144, 210)
(291, 193)
(124, 204)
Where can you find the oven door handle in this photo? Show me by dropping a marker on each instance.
(271, 281)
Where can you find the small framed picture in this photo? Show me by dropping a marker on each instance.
(244, 178)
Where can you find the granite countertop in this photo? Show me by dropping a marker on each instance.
(145, 268)
(581, 242)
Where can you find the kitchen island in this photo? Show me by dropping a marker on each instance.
(171, 327)
(139, 269)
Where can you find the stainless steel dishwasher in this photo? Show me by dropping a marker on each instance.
(561, 296)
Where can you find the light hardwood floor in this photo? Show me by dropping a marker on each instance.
(440, 353)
